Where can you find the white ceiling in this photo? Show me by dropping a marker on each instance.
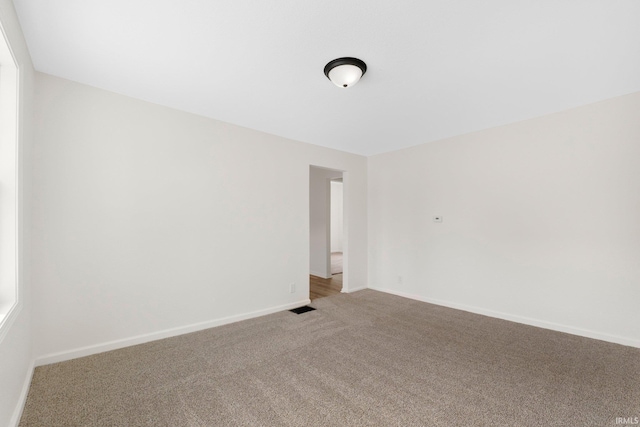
(435, 68)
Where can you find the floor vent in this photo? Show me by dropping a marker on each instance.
(301, 310)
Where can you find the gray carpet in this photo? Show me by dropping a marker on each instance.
(362, 359)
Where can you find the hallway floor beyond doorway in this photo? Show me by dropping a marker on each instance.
(320, 288)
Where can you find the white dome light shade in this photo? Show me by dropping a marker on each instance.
(345, 75)
(345, 72)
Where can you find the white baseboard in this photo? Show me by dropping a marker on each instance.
(17, 412)
(322, 275)
(153, 336)
(351, 290)
(519, 319)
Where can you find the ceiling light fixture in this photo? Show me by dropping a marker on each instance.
(345, 72)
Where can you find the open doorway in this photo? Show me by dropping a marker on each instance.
(327, 238)
(336, 225)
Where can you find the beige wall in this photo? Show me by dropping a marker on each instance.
(541, 221)
(151, 222)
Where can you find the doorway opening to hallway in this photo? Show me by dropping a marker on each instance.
(327, 237)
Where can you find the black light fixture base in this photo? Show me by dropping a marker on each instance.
(345, 61)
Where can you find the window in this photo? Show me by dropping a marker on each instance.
(9, 306)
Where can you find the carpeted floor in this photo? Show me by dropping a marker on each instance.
(362, 359)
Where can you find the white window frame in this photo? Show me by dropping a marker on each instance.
(10, 295)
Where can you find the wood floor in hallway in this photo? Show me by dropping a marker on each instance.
(320, 288)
